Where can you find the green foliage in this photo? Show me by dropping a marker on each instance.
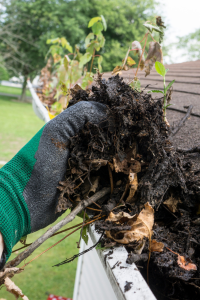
(93, 21)
(40, 20)
(162, 72)
(156, 91)
(190, 44)
(81, 215)
(98, 247)
(85, 234)
(4, 75)
(69, 70)
(160, 69)
(135, 84)
(152, 28)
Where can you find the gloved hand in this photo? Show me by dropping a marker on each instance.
(28, 183)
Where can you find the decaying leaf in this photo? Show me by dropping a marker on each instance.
(172, 203)
(133, 181)
(138, 48)
(154, 54)
(156, 246)
(117, 69)
(185, 263)
(66, 187)
(128, 164)
(141, 225)
(88, 189)
(130, 61)
(96, 164)
(75, 89)
(14, 289)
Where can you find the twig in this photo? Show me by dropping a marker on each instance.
(190, 150)
(182, 121)
(182, 111)
(111, 179)
(83, 204)
(94, 209)
(59, 242)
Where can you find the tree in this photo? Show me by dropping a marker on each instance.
(39, 20)
(191, 45)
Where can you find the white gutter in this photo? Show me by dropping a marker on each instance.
(39, 109)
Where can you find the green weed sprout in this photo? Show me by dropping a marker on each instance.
(162, 72)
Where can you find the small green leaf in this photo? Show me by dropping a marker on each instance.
(93, 21)
(81, 214)
(101, 39)
(168, 105)
(169, 85)
(87, 80)
(104, 22)
(160, 68)
(65, 44)
(53, 41)
(151, 27)
(97, 46)
(156, 91)
(89, 37)
(84, 59)
(85, 235)
(97, 28)
(57, 107)
(23, 240)
(98, 247)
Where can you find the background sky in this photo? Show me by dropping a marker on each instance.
(182, 17)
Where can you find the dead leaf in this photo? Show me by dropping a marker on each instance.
(172, 203)
(141, 225)
(96, 164)
(130, 61)
(87, 189)
(75, 89)
(118, 69)
(186, 263)
(14, 289)
(156, 246)
(127, 165)
(133, 181)
(154, 54)
(138, 48)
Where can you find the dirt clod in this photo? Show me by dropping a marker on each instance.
(134, 143)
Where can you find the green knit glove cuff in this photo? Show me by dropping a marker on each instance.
(14, 176)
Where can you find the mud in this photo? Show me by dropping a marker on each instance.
(136, 140)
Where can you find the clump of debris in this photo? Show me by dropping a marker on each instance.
(154, 201)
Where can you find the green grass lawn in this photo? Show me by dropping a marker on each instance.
(39, 278)
(18, 125)
(12, 90)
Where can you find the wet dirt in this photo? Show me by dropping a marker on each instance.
(134, 139)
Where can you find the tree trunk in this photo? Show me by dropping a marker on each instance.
(23, 94)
